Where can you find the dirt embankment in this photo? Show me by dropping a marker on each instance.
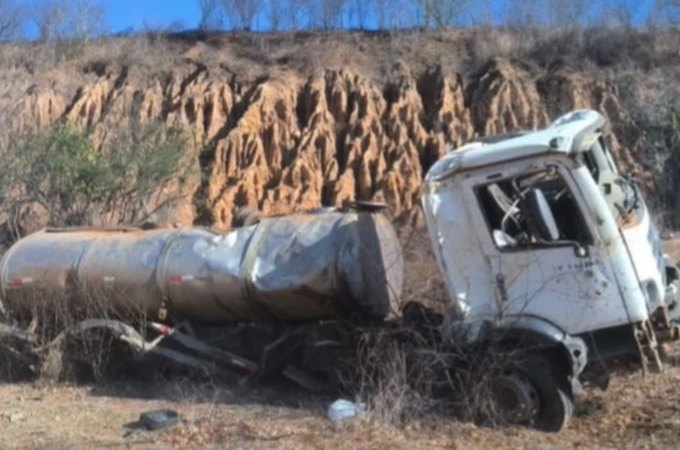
(293, 137)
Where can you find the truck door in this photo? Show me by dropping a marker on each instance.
(543, 266)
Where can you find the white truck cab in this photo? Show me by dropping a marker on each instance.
(539, 234)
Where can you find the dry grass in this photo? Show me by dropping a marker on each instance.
(253, 55)
(394, 389)
(61, 351)
(636, 412)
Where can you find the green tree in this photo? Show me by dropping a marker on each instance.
(77, 184)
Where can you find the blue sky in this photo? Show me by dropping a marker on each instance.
(140, 14)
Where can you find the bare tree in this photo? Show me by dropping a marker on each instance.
(381, 14)
(551, 13)
(524, 13)
(362, 8)
(211, 14)
(275, 14)
(392, 14)
(440, 13)
(566, 14)
(448, 12)
(50, 18)
(292, 12)
(668, 10)
(484, 13)
(87, 19)
(614, 13)
(328, 13)
(11, 18)
(68, 19)
(242, 12)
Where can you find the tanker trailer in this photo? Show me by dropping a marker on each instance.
(306, 267)
(284, 295)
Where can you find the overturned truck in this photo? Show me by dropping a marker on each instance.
(255, 289)
(547, 252)
(295, 268)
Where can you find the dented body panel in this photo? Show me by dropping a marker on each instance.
(299, 268)
(579, 293)
(586, 261)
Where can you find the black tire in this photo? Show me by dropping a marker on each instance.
(552, 403)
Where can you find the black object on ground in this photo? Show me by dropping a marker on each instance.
(159, 419)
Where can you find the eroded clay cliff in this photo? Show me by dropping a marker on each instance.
(292, 141)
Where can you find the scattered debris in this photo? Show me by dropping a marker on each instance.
(13, 416)
(153, 421)
(159, 419)
(344, 409)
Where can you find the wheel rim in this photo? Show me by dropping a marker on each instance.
(515, 399)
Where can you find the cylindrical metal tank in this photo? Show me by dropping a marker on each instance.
(299, 267)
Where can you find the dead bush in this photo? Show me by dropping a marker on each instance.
(421, 372)
(665, 135)
(576, 47)
(57, 346)
(472, 377)
(394, 390)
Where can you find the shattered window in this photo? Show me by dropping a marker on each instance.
(515, 221)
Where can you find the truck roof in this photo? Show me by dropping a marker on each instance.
(570, 133)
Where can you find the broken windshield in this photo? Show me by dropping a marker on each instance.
(620, 191)
(503, 205)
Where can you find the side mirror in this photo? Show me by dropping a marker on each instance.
(542, 216)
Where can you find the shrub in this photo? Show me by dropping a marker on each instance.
(390, 383)
(76, 183)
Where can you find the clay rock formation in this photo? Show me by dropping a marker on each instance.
(295, 142)
(504, 98)
(333, 138)
(563, 90)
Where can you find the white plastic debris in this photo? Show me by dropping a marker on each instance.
(13, 416)
(344, 409)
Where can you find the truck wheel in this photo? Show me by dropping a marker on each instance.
(531, 392)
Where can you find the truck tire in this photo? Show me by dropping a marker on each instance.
(532, 392)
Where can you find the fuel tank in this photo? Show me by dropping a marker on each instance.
(295, 268)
